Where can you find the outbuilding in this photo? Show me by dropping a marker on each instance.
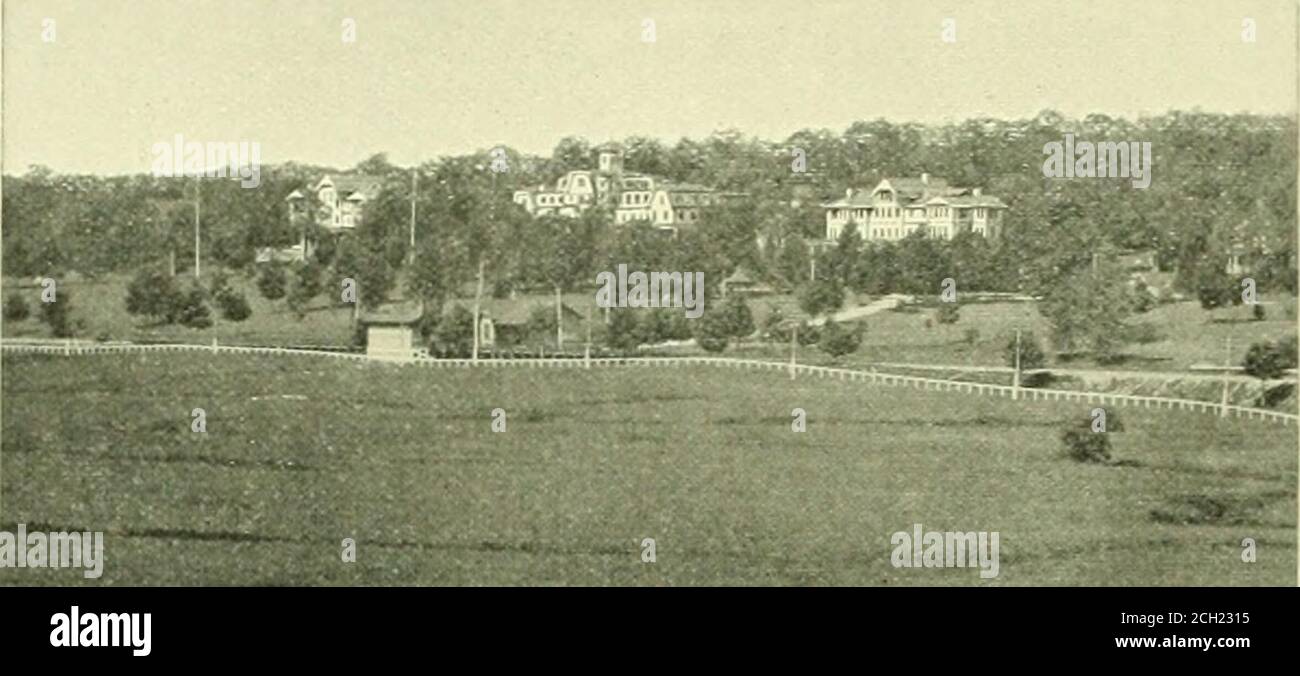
(390, 330)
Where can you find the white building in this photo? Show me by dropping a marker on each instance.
(632, 196)
(897, 207)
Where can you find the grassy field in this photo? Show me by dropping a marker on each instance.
(303, 452)
(101, 306)
(1187, 334)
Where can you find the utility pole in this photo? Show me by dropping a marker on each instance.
(478, 294)
(1227, 362)
(586, 357)
(414, 174)
(1015, 377)
(197, 196)
(794, 345)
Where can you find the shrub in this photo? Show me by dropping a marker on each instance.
(653, 327)
(948, 313)
(819, 296)
(454, 334)
(273, 282)
(808, 334)
(623, 331)
(1084, 445)
(1031, 355)
(739, 319)
(194, 312)
(1257, 312)
(57, 315)
(971, 336)
(838, 340)
(154, 294)
(1268, 361)
(234, 306)
(712, 331)
(16, 308)
(306, 286)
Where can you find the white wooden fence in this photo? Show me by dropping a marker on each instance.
(1032, 394)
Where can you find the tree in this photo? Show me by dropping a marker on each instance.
(1087, 309)
(306, 286)
(837, 340)
(1084, 445)
(843, 262)
(16, 308)
(272, 282)
(454, 334)
(564, 253)
(1031, 354)
(623, 331)
(1269, 361)
(738, 317)
(821, 296)
(57, 315)
(154, 294)
(234, 306)
(712, 331)
(194, 312)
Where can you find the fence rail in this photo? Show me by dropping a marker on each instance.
(873, 377)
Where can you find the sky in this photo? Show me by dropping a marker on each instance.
(425, 78)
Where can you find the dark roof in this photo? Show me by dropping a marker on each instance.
(401, 313)
(519, 310)
(350, 184)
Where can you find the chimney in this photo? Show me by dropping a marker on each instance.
(925, 178)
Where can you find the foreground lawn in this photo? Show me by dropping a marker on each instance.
(303, 452)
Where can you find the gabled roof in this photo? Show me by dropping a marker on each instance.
(347, 185)
(860, 199)
(399, 313)
(520, 309)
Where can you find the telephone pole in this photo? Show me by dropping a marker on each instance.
(414, 174)
(197, 195)
(794, 345)
(1227, 362)
(1015, 377)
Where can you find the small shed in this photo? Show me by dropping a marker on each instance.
(745, 283)
(390, 330)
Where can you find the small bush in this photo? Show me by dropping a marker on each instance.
(838, 340)
(971, 336)
(273, 282)
(233, 305)
(712, 331)
(154, 294)
(1031, 355)
(948, 313)
(1257, 312)
(57, 315)
(1084, 445)
(16, 308)
(194, 312)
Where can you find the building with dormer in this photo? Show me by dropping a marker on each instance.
(631, 196)
(898, 207)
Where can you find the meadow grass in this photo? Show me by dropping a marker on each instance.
(303, 452)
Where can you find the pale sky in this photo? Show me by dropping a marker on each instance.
(433, 77)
